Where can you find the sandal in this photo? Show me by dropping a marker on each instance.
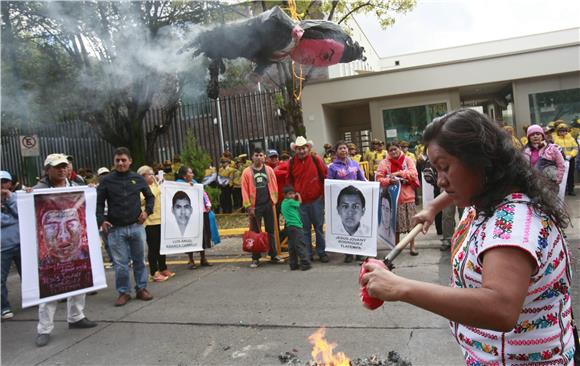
(414, 253)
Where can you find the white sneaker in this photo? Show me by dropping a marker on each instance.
(255, 264)
(7, 314)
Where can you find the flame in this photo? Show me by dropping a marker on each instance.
(322, 351)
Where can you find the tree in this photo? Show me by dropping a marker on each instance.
(117, 61)
(287, 75)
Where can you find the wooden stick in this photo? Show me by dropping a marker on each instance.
(401, 245)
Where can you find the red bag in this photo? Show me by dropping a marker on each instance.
(255, 242)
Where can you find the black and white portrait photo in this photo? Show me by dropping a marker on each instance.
(181, 210)
(181, 217)
(351, 216)
(351, 208)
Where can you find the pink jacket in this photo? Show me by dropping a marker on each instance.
(550, 152)
(409, 172)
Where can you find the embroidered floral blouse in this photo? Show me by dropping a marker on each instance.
(543, 333)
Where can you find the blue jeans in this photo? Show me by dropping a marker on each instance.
(7, 257)
(128, 242)
(312, 214)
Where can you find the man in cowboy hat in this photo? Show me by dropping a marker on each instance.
(306, 174)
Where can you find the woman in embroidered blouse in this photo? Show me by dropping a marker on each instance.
(509, 300)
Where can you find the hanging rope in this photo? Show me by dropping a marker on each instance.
(296, 79)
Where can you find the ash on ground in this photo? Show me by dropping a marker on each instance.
(393, 359)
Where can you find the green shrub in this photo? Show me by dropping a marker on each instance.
(214, 196)
(195, 157)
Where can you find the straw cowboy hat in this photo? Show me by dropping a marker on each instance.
(300, 141)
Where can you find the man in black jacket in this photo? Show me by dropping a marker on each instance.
(121, 190)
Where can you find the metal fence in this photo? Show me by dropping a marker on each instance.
(235, 123)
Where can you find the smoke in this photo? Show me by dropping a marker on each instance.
(128, 58)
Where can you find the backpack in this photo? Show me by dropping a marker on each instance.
(314, 160)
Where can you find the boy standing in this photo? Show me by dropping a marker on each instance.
(296, 246)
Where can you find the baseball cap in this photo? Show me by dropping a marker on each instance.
(56, 159)
(103, 170)
(4, 175)
(272, 153)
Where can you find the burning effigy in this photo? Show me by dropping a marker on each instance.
(271, 37)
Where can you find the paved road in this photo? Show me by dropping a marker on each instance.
(230, 314)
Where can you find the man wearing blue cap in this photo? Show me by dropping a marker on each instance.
(272, 161)
(10, 238)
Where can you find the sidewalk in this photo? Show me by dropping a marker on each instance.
(230, 314)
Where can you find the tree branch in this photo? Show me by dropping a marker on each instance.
(354, 11)
(331, 14)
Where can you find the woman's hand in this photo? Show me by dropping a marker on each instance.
(426, 217)
(383, 284)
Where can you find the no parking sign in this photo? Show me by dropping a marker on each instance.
(29, 145)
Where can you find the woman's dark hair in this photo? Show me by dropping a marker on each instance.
(180, 195)
(481, 144)
(394, 143)
(181, 172)
(351, 191)
(340, 143)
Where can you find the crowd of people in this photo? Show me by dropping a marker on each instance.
(269, 186)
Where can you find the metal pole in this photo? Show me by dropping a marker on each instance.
(262, 117)
(219, 117)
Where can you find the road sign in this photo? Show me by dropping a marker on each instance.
(29, 145)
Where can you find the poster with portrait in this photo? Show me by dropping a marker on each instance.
(351, 216)
(60, 244)
(181, 217)
(389, 197)
(562, 187)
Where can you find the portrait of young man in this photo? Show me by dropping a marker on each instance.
(351, 208)
(64, 262)
(182, 210)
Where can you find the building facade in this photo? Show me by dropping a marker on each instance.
(520, 81)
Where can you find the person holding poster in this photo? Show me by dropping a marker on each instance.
(158, 271)
(121, 190)
(185, 175)
(63, 250)
(345, 168)
(10, 238)
(260, 194)
(398, 168)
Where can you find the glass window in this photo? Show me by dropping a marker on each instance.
(551, 106)
(408, 123)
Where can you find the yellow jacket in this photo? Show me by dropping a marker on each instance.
(237, 178)
(567, 143)
(155, 217)
(227, 172)
(411, 155)
(375, 157)
(517, 143)
(356, 157)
